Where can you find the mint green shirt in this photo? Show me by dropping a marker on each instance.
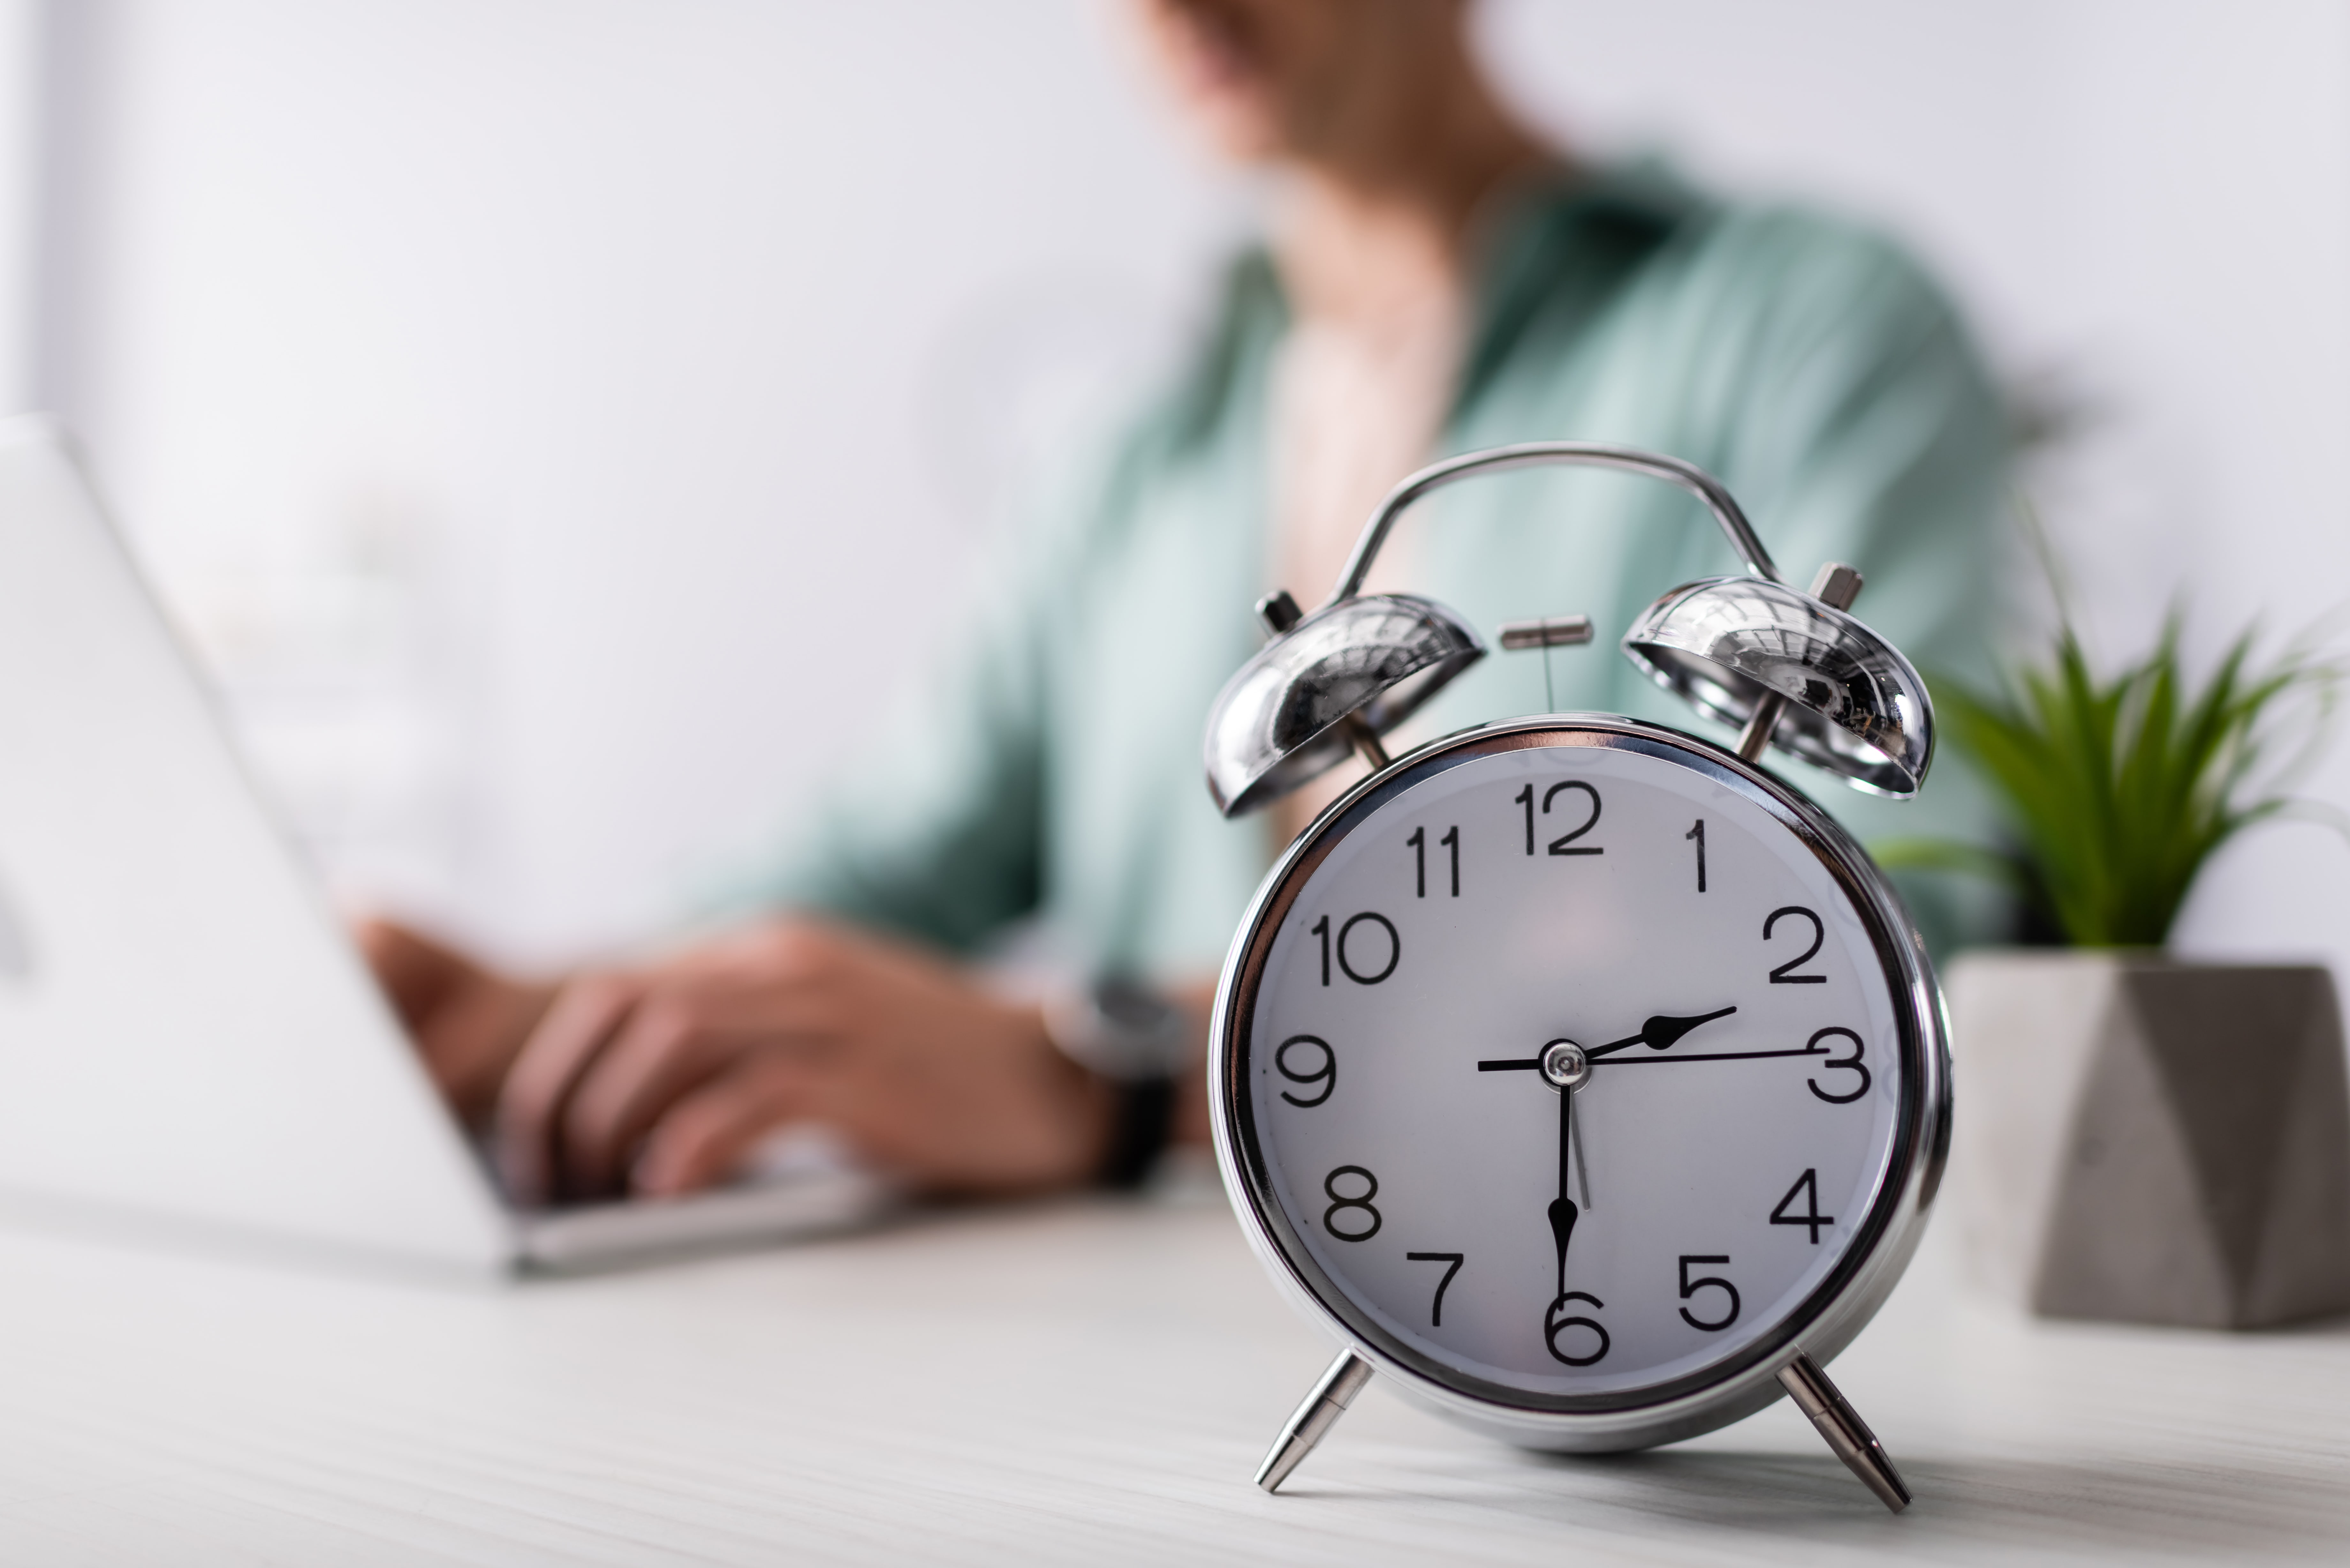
(1052, 768)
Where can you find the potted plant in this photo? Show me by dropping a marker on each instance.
(2142, 1137)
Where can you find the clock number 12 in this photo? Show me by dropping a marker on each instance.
(1563, 844)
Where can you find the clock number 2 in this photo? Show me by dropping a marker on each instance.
(1321, 928)
(1340, 1203)
(1785, 974)
(1563, 843)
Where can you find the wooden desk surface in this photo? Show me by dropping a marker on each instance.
(1083, 1382)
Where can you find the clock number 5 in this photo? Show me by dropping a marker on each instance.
(1851, 1063)
(1560, 846)
(1690, 1287)
(1785, 974)
(1340, 1203)
(1436, 1310)
(1321, 928)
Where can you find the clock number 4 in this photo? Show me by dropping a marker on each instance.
(1453, 1259)
(1807, 1184)
(1563, 843)
(1321, 928)
(1419, 842)
(1690, 1287)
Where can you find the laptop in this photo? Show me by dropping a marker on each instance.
(186, 1035)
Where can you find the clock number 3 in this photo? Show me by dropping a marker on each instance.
(1851, 1063)
(1563, 843)
(1353, 1229)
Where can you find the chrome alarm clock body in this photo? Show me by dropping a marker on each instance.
(1576, 1073)
(1464, 1203)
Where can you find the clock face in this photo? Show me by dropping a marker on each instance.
(1572, 1072)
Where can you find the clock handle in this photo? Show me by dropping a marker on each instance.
(1317, 1415)
(1841, 1425)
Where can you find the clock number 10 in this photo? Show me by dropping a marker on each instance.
(1346, 937)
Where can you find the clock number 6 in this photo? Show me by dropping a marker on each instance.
(1851, 1063)
(1327, 1074)
(1690, 1287)
(1340, 1203)
(1553, 1325)
(1321, 928)
(1558, 846)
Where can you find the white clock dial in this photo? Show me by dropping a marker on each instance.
(1574, 1224)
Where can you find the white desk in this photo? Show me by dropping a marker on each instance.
(1077, 1383)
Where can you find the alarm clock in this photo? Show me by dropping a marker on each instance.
(1579, 1075)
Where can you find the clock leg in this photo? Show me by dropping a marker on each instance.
(1846, 1433)
(1317, 1415)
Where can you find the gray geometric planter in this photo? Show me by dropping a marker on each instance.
(2145, 1141)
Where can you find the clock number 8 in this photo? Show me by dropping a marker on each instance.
(1340, 1203)
(1553, 1325)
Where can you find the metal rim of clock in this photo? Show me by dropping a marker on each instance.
(1711, 1396)
(1854, 705)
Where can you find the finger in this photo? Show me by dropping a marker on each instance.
(685, 1031)
(704, 1136)
(416, 973)
(578, 1026)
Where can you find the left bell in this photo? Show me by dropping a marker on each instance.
(1283, 719)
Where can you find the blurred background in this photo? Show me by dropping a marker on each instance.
(559, 423)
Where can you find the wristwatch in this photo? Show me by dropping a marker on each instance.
(1132, 1038)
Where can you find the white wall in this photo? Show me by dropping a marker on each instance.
(561, 419)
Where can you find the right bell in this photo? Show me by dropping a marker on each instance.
(1855, 706)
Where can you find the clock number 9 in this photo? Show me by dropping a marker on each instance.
(1327, 1074)
(1321, 928)
(1340, 1203)
(1553, 1325)
(1851, 1063)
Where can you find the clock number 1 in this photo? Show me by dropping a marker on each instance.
(1698, 834)
(1419, 842)
(1560, 846)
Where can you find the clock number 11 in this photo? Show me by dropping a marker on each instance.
(1419, 842)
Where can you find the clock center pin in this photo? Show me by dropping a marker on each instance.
(1564, 1065)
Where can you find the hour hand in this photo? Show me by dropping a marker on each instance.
(1661, 1031)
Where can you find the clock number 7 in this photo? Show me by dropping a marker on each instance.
(1419, 842)
(1436, 1310)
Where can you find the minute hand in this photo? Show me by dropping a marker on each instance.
(1657, 1032)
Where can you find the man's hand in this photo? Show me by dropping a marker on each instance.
(469, 1023)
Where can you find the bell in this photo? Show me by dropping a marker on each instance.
(1848, 702)
(1327, 683)
(1793, 668)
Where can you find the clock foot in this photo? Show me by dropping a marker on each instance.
(1845, 1432)
(1318, 1415)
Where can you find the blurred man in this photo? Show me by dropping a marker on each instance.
(1436, 280)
